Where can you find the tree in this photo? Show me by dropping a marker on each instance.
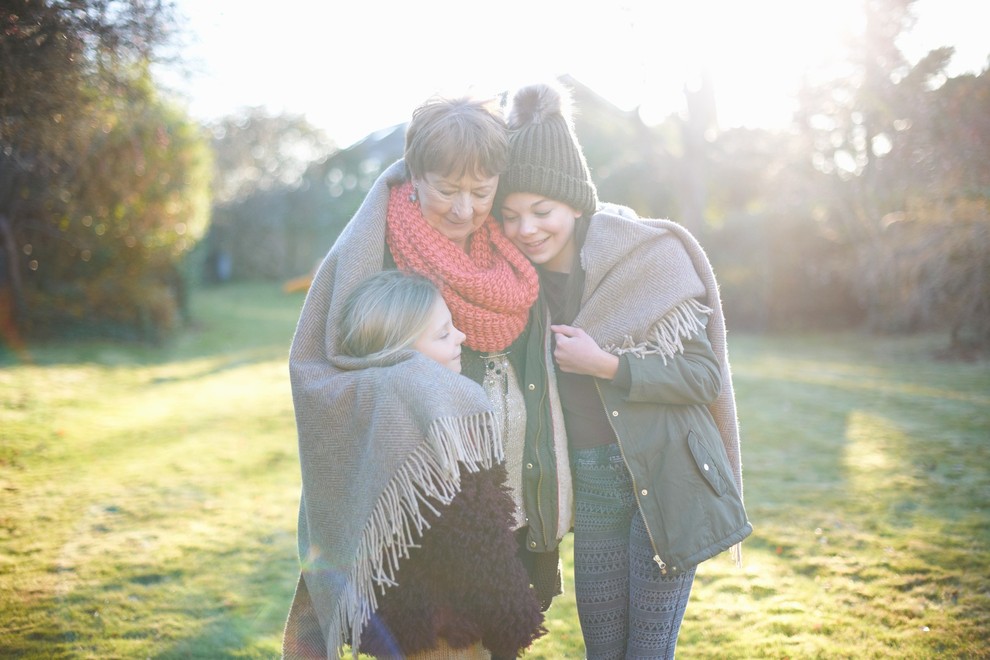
(103, 241)
(262, 224)
(900, 180)
(938, 245)
(101, 183)
(62, 56)
(256, 152)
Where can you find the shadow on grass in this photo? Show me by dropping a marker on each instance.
(863, 434)
(869, 476)
(247, 359)
(201, 611)
(246, 616)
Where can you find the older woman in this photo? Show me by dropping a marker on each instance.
(430, 214)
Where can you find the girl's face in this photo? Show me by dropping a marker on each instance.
(455, 207)
(542, 228)
(440, 340)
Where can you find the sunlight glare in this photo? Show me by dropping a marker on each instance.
(353, 73)
(755, 54)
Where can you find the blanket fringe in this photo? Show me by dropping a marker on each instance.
(667, 337)
(431, 472)
(736, 554)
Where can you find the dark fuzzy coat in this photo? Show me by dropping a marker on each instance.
(464, 583)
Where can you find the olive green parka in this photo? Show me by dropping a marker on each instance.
(650, 296)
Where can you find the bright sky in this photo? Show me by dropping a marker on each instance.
(355, 66)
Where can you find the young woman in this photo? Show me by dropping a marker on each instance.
(643, 373)
(414, 528)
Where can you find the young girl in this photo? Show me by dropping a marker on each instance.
(644, 382)
(409, 550)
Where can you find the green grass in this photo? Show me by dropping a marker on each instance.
(148, 499)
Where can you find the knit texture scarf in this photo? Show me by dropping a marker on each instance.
(489, 289)
(645, 283)
(391, 436)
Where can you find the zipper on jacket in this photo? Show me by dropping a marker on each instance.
(656, 555)
(539, 495)
(548, 372)
(549, 537)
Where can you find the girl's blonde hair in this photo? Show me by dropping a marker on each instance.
(385, 314)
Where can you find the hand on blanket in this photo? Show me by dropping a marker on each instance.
(577, 353)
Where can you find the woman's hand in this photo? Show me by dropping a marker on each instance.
(577, 353)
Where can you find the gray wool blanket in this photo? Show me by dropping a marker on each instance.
(331, 605)
(380, 445)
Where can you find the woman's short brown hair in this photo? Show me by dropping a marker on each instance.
(454, 137)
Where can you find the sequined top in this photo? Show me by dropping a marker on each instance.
(498, 377)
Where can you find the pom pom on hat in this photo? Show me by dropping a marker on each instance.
(533, 104)
(544, 155)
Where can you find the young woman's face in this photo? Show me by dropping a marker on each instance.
(455, 207)
(441, 341)
(542, 228)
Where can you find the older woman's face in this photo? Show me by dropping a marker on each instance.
(456, 207)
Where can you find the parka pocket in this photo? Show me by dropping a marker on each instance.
(707, 465)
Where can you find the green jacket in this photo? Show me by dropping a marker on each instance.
(672, 448)
(547, 498)
(546, 471)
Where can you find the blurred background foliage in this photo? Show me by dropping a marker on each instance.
(104, 185)
(872, 210)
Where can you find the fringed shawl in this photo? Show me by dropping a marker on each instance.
(317, 623)
(645, 283)
(378, 442)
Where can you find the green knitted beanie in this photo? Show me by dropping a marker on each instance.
(544, 155)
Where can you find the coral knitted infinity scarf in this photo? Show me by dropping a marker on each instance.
(489, 290)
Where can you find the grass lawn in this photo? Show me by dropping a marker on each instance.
(148, 499)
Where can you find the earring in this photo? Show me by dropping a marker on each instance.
(414, 195)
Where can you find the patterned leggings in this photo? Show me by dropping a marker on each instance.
(626, 607)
